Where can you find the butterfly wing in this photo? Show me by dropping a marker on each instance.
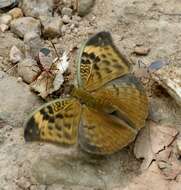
(56, 121)
(128, 99)
(100, 61)
(101, 133)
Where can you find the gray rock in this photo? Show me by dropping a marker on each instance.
(66, 11)
(52, 27)
(37, 8)
(28, 69)
(84, 7)
(33, 44)
(23, 25)
(16, 100)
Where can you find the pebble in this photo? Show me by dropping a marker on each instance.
(64, 29)
(66, 11)
(15, 55)
(179, 146)
(66, 19)
(52, 29)
(5, 19)
(16, 13)
(4, 27)
(139, 50)
(28, 70)
(23, 25)
(84, 7)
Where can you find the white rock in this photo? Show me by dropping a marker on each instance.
(179, 146)
(5, 19)
(4, 27)
(15, 55)
(66, 19)
(23, 25)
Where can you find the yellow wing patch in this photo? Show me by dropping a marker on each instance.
(100, 62)
(101, 133)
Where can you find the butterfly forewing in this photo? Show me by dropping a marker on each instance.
(100, 133)
(128, 98)
(56, 121)
(99, 62)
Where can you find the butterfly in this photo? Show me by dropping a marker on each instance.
(106, 108)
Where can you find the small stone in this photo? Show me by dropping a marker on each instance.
(64, 29)
(4, 27)
(15, 55)
(19, 79)
(84, 6)
(28, 70)
(139, 50)
(16, 13)
(23, 25)
(179, 146)
(66, 11)
(76, 18)
(72, 26)
(66, 19)
(5, 19)
(33, 44)
(52, 29)
(75, 30)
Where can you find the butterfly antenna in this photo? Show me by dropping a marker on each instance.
(53, 45)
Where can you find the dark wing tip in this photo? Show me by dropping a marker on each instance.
(100, 39)
(31, 131)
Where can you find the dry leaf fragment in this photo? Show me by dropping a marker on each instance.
(151, 141)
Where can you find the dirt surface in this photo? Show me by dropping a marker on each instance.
(150, 25)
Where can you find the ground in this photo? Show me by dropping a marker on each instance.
(153, 26)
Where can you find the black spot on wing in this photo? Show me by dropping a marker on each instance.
(50, 110)
(59, 115)
(58, 127)
(95, 66)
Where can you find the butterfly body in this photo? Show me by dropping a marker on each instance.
(106, 108)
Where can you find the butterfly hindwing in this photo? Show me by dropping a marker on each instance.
(101, 133)
(56, 121)
(127, 96)
(99, 62)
